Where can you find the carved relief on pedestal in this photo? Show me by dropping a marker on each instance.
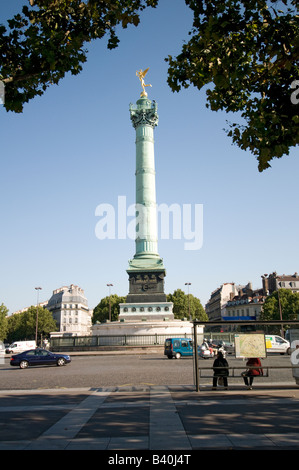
(141, 283)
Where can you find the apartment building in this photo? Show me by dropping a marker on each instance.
(69, 308)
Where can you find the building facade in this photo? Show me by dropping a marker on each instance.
(274, 281)
(245, 306)
(216, 306)
(69, 308)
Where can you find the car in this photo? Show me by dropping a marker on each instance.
(39, 357)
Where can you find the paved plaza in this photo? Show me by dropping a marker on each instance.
(146, 417)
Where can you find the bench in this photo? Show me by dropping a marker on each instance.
(233, 369)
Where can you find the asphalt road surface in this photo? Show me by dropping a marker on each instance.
(128, 369)
(144, 401)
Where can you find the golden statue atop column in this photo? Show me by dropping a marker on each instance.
(141, 74)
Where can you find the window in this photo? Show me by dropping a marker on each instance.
(31, 353)
(42, 353)
(279, 340)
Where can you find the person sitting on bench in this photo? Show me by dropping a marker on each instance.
(251, 372)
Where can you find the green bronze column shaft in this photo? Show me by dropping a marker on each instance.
(146, 270)
(144, 118)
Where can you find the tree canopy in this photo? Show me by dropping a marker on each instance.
(243, 52)
(22, 326)
(101, 311)
(282, 304)
(181, 304)
(46, 40)
(247, 52)
(3, 322)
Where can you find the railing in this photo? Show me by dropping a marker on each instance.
(126, 340)
(96, 342)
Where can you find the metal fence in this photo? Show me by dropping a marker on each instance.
(96, 342)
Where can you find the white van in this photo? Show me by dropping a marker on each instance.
(277, 344)
(20, 346)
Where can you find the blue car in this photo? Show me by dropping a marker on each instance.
(39, 357)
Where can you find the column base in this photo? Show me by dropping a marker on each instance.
(146, 262)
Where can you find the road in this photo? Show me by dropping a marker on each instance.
(120, 370)
(144, 401)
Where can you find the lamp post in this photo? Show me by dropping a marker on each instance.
(280, 313)
(188, 284)
(109, 285)
(36, 324)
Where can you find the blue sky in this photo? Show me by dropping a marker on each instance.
(74, 148)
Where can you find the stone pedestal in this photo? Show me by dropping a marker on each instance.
(146, 286)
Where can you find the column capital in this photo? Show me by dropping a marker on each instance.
(144, 113)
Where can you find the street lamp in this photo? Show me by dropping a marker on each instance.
(188, 284)
(280, 313)
(109, 285)
(36, 325)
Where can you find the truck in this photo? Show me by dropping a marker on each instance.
(20, 346)
(277, 344)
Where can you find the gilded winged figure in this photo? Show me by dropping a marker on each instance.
(141, 74)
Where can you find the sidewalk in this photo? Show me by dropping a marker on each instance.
(148, 417)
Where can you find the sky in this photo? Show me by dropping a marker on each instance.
(73, 150)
